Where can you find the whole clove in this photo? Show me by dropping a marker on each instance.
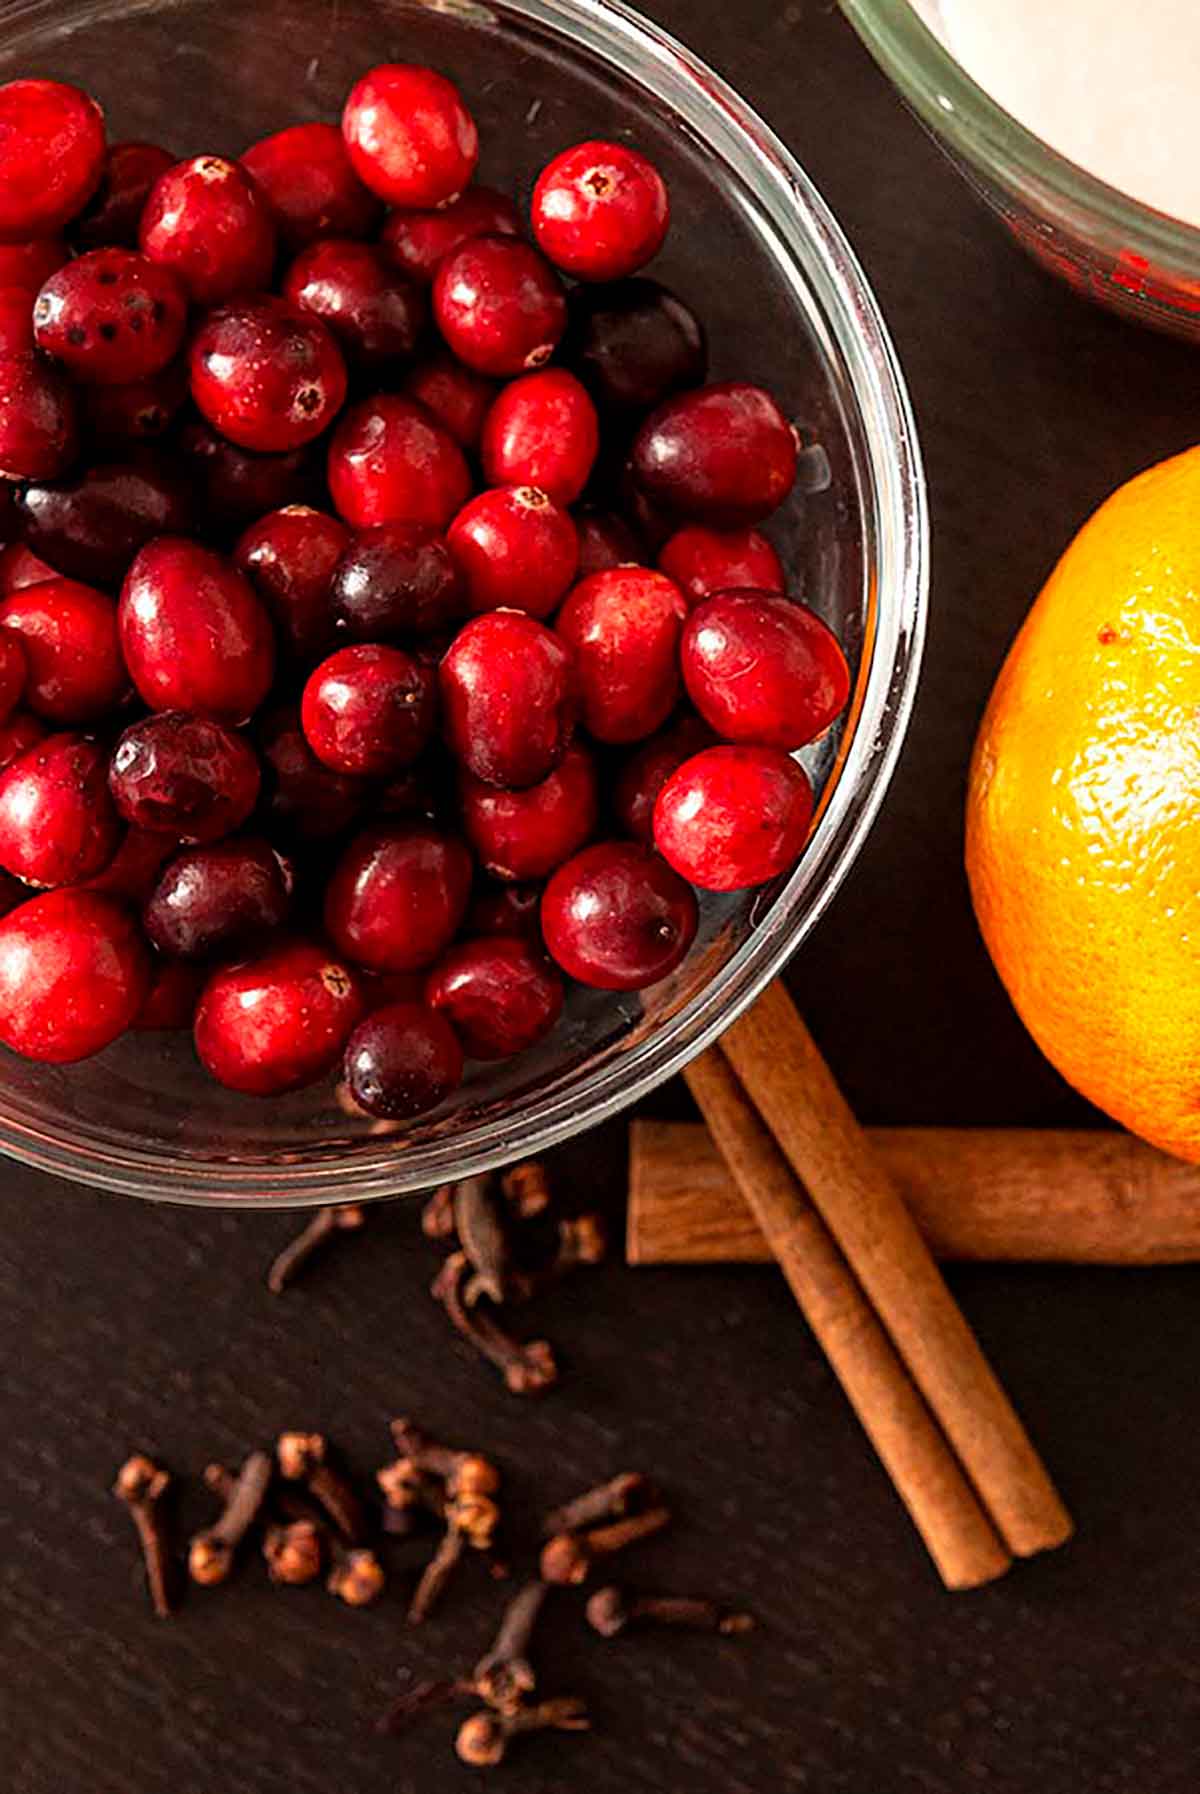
(526, 1189)
(312, 1239)
(504, 1675)
(410, 1497)
(463, 1472)
(481, 1224)
(528, 1367)
(612, 1610)
(211, 1553)
(483, 1739)
(436, 1575)
(304, 1458)
(141, 1485)
(569, 1557)
(628, 1493)
(357, 1576)
(437, 1217)
(295, 1552)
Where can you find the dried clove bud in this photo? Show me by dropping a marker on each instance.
(325, 1225)
(611, 1610)
(463, 1472)
(528, 1367)
(483, 1739)
(437, 1217)
(570, 1556)
(526, 1189)
(482, 1226)
(211, 1553)
(304, 1458)
(295, 1552)
(410, 1496)
(435, 1576)
(357, 1577)
(141, 1485)
(625, 1494)
(504, 1676)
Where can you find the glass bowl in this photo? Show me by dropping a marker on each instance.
(1105, 245)
(785, 303)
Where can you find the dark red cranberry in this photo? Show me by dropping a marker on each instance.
(634, 344)
(761, 669)
(390, 461)
(278, 1021)
(305, 800)
(19, 568)
(703, 561)
(724, 455)
(600, 211)
(115, 209)
(194, 635)
(605, 540)
(30, 265)
(174, 992)
(526, 834)
(14, 670)
(509, 698)
(542, 431)
(397, 580)
(74, 972)
(91, 525)
(616, 918)
(224, 898)
(647, 770)
(409, 136)
(111, 316)
(57, 821)
(18, 734)
(208, 221)
(139, 410)
(289, 558)
(53, 137)
(500, 994)
(267, 375)
(369, 710)
(499, 305)
(39, 419)
(402, 1061)
(732, 817)
(653, 525)
(16, 321)
(624, 628)
(515, 548)
(458, 397)
(68, 632)
(133, 871)
(311, 188)
(398, 896)
(184, 776)
(418, 242)
(235, 487)
(506, 909)
(376, 314)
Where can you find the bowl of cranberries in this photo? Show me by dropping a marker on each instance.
(462, 575)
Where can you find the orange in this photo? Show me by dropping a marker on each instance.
(1083, 811)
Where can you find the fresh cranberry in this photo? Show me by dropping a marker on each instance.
(267, 375)
(289, 558)
(19, 568)
(653, 525)
(634, 344)
(311, 188)
(133, 871)
(278, 1021)
(184, 776)
(137, 410)
(398, 896)
(506, 909)
(458, 397)
(647, 770)
(732, 817)
(30, 265)
(57, 821)
(605, 541)
(74, 972)
(16, 321)
(194, 635)
(115, 209)
(514, 548)
(235, 487)
(92, 524)
(369, 710)
(542, 431)
(417, 242)
(500, 995)
(14, 669)
(499, 305)
(526, 834)
(409, 136)
(68, 632)
(703, 561)
(761, 669)
(402, 1061)
(223, 898)
(305, 800)
(509, 698)
(397, 579)
(208, 221)
(600, 211)
(111, 316)
(724, 455)
(420, 791)
(17, 735)
(616, 918)
(174, 992)
(624, 628)
(39, 419)
(53, 137)
(390, 461)
(376, 314)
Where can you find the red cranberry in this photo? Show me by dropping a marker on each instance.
(16, 321)
(398, 896)
(458, 397)
(526, 834)
(268, 376)
(402, 1061)
(509, 698)
(53, 138)
(133, 871)
(397, 579)
(761, 669)
(418, 242)
(600, 211)
(174, 992)
(732, 817)
(19, 568)
(289, 558)
(514, 548)
(111, 316)
(17, 735)
(500, 994)
(223, 898)
(634, 344)
(68, 631)
(369, 710)
(725, 455)
(137, 410)
(39, 421)
(278, 1021)
(507, 909)
(616, 918)
(57, 822)
(74, 972)
(208, 221)
(115, 209)
(184, 776)
(305, 800)
(605, 541)
(624, 628)
(409, 136)
(390, 461)
(376, 315)
(194, 635)
(91, 525)
(542, 431)
(234, 487)
(311, 188)
(499, 305)
(13, 671)
(703, 561)
(647, 770)
(420, 791)
(30, 265)
(653, 526)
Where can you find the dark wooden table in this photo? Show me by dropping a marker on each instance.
(122, 1325)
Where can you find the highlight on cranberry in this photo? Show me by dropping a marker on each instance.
(346, 718)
